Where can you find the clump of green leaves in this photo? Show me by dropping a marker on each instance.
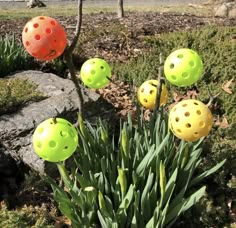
(13, 56)
(17, 92)
(215, 45)
(146, 179)
(27, 216)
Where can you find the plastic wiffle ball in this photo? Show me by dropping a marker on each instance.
(183, 67)
(55, 140)
(147, 94)
(44, 38)
(95, 73)
(190, 120)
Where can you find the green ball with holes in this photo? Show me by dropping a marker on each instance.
(183, 67)
(55, 140)
(95, 73)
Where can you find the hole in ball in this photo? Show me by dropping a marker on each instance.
(184, 105)
(145, 100)
(142, 90)
(27, 43)
(39, 144)
(26, 30)
(92, 72)
(179, 131)
(53, 23)
(152, 83)
(89, 80)
(187, 114)
(185, 75)
(199, 112)
(201, 124)
(48, 30)
(173, 77)
(151, 91)
(172, 65)
(72, 134)
(41, 18)
(191, 63)
(180, 56)
(195, 134)
(40, 130)
(102, 67)
(66, 147)
(52, 144)
(188, 125)
(105, 80)
(195, 103)
(36, 25)
(37, 37)
(177, 119)
(63, 134)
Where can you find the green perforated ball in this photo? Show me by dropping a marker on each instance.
(55, 140)
(183, 67)
(95, 73)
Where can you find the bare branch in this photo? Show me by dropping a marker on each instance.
(77, 28)
(159, 85)
(68, 57)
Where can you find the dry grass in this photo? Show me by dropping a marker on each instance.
(70, 10)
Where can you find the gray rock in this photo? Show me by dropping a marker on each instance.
(35, 3)
(62, 101)
(227, 9)
(232, 13)
(222, 11)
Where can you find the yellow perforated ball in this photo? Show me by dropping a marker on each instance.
(147, 94)
(190, 120)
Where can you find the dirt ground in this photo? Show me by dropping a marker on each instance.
(136, 25)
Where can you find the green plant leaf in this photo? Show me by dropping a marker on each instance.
(206, 173)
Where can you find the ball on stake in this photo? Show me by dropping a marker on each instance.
(183, 67)
(190, 120)
(44, 38)
(147, 94)
(95, 73)
(55, 140)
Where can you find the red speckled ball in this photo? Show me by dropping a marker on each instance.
(44, 38)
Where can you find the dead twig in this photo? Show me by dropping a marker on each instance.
(69, 61)
(159, 86)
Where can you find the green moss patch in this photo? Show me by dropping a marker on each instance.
(15, 93)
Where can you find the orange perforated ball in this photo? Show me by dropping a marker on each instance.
(190, 120)
(44, 38)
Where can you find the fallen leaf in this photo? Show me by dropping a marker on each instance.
(226, 85)
(217, 122)
(224, 123)
(177, 97)
(192, 94)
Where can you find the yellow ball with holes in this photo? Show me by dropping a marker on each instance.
(190, 120)
(147, 94)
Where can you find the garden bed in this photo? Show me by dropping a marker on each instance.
(136, 40)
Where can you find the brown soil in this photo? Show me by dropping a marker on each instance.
(118, 45)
